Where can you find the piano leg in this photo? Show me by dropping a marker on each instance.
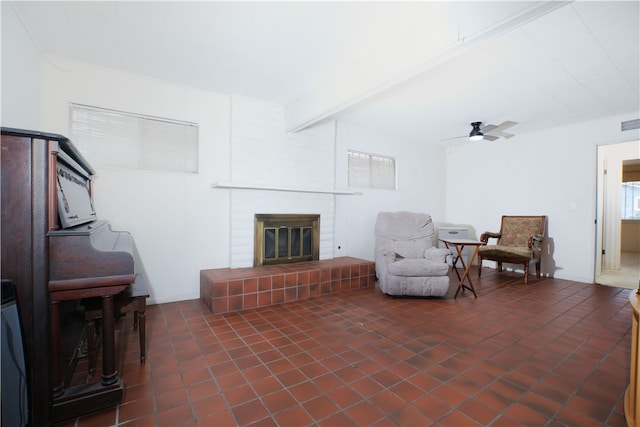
(90, 326)
(58, 383)
(109, 373)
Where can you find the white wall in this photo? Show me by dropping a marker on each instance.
(262, 153)
(179, 224)
(550, 172)
(420, 170)
(20, 74)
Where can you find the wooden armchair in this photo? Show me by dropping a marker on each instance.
(519, 242)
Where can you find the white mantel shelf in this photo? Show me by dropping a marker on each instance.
(232, 186)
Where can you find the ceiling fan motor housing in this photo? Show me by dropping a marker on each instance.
(476, 134)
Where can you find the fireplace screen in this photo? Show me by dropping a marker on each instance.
(286, 238)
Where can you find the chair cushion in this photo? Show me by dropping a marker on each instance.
(404, 249)
(404, 225)
(490, 251)
(418, 267)
(407, 234)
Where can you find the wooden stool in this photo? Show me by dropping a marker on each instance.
(133, 299)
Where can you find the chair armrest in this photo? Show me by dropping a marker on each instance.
(484, 237)
(439, 254)
(535, 239)
(449, 259)
(384, 257)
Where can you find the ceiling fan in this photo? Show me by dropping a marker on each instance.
(488, 131)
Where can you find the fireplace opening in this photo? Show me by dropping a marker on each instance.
(286, 238)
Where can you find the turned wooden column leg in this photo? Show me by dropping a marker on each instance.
(109, 373)
(91, 344)
(58, 383)
(142, 336)
(631, 395)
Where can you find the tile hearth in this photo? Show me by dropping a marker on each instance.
(232, 289)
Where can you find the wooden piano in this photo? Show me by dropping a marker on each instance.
(57, 252)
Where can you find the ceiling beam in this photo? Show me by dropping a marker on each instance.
(350, 89)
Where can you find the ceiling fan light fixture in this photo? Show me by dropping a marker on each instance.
(476, 134)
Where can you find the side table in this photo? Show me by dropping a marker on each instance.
(459, 245)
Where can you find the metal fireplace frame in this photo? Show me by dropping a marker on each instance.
(290, 221)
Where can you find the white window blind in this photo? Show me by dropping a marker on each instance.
(371, 170)
(115, 138)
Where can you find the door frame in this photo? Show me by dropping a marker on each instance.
(608, 217)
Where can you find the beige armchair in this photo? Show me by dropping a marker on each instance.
(407, 263)
(519, 242)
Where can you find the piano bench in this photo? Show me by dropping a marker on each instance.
(134, 300)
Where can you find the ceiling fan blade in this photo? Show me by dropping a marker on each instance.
(507, 124)
(498, 129)
(455, 137)
(490, 137)
(487, 128)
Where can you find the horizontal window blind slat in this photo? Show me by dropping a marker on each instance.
(111, 138)
(371, 171)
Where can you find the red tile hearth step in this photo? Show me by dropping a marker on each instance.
(232, 289)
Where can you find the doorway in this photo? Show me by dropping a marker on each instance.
(617, 219)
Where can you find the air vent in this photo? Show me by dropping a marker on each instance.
(630, 125)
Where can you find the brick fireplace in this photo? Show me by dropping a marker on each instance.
(258, 142)
(286, 268)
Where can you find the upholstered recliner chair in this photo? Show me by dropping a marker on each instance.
(519, 241)
(407, 263)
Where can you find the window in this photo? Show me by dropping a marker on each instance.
(115, 138)
(371, 170)
(631, 200)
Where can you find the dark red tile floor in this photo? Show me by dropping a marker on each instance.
(552, 353)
